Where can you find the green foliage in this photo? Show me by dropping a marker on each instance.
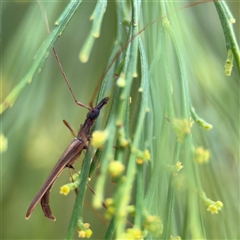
(173, 178)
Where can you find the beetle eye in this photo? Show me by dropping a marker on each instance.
(93, 114)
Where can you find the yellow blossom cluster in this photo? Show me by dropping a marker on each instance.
(174, 169)
(142, 156)
(154, 225)
(182, 127)
(115, 168)
(179, 166)
(201, 155)
(110, 208)
(64, 190)
(99, 138)
(215, 207)
(84, 230)
(133, 234)
(85, 234)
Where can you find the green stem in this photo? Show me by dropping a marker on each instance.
(139, 197)
(77, 210)
(97, 17)
(111, 229)
(41, 54)
(171, 197)
(231, 42)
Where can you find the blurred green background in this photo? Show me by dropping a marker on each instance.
(37, 137)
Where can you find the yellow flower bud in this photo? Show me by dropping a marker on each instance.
(99, 138)
(64, 190)
(115, 168)
(213, 209)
